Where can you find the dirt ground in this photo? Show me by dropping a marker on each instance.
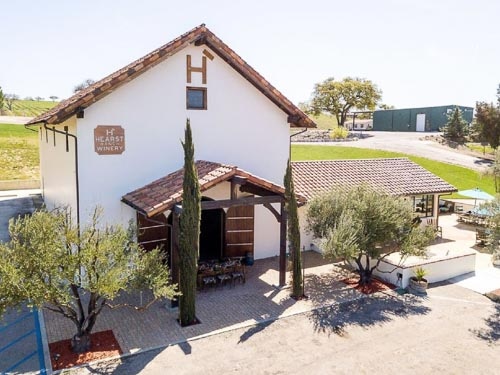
(451, 331)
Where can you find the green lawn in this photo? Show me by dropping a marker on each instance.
(18, 153)
(460, 177)
(29, 108)
(481, 149)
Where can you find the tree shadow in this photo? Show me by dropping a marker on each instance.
(366, 312)
(253, 330)
(491, 334)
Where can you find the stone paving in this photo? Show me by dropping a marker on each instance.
(221, 309)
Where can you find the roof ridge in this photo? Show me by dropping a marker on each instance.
(86, 97)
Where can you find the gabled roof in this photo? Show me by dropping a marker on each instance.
(161, 195)
(395, 176)
(200, 35)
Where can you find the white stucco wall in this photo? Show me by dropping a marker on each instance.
(440, 270)
(306, 237)
(240, 127)
(57, 167)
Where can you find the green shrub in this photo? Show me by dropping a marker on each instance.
(339, 133)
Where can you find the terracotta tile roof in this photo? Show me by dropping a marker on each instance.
(396, 176)
(199, 35)
(162, 194)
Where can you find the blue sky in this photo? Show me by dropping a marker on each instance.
(419, 53)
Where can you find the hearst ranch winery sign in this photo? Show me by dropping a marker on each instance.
(109, 139)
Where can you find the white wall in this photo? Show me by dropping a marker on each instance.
(241, 126)
(306, 237)
(440, 270)
(57, 167)
(266, 232)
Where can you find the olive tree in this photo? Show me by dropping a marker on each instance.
(363, 226)
(76, 272)
(339, 97)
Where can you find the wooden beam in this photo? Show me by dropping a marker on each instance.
(283, 227)
(227, 203)
(239, 180)
(256, 190)
(247, 201)
(273, 211)
(234, 190)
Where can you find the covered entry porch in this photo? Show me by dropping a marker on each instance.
(242, 215)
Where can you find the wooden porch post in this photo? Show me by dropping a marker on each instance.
(283, 228)
(174, 267)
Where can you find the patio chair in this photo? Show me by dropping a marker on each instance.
(208, 278)
(481, 236)
(438, 229)
(238, 274)
(224, 276)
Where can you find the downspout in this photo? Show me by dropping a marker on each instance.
(290, 144)
(66, 133)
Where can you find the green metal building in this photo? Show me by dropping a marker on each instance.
(417, 119)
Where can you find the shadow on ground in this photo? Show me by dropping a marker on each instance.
(366, 312)
(491, 334)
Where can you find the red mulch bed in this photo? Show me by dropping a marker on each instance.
(374, 286)
(103, 345)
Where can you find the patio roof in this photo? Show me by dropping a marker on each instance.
(161, 195)
(395, 176)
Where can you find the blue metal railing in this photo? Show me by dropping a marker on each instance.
(18, 341)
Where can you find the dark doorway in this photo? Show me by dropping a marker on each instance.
(211, 233)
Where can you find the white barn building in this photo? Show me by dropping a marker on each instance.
(117, 144)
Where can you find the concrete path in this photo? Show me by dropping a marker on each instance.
(482, 281)
(14, 120)
(412, 143)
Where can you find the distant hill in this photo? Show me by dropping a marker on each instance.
(28, 108)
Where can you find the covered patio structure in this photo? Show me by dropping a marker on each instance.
(394, 176)
(231, 225)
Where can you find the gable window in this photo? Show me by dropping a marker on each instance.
(196, 98)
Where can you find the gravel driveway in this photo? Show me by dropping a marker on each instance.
(413, 143)
(452, 331)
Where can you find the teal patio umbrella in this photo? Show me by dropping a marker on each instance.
(476, 194)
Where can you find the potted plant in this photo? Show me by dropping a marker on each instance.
(418, 283)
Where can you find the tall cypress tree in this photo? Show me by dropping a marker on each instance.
(293, 233)
(189, 241)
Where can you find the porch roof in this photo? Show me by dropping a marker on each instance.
(161, 195)
(394, 176)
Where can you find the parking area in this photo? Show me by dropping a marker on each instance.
(19, 349)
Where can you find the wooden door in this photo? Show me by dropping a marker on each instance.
(153, 232)
(239, 231)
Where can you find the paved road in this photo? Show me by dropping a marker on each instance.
(413, 143)
(14, 120)
(9, 208)
(452, 331)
